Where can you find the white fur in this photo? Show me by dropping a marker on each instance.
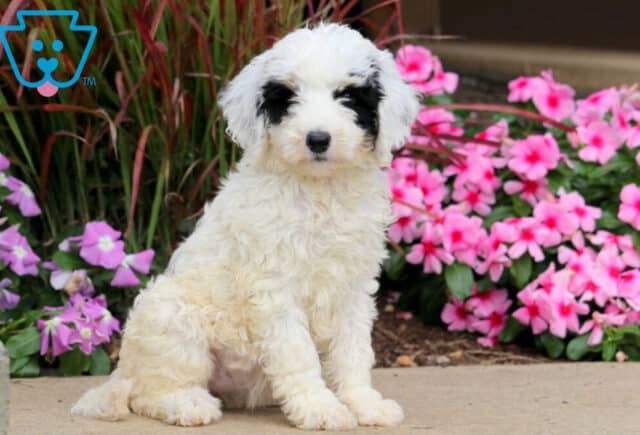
(270, 300)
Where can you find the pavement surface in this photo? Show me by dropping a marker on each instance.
(586, 398)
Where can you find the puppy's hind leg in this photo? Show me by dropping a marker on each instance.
(166, 353)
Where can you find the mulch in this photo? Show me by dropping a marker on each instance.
(410, 343)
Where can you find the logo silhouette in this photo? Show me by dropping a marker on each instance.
(47, 85)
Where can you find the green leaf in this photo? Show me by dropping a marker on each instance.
(17, 363)
(512, 329)
(608, 350)
(609, 221)
(100, 363)
(24, 344)
(459, 279)
(74, 363)
(521, 207)
(28, 368)
(520, 271)
(552, 344)
(578, 347)
(68, 260)
(394, 265)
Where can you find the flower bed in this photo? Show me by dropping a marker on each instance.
(524, 227)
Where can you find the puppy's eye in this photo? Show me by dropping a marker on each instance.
(276, 100)
(363, 100)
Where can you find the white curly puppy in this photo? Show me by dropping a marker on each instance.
(270, 300)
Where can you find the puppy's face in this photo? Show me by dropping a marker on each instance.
(318, 102)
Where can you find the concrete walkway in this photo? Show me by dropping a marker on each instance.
(540, 399)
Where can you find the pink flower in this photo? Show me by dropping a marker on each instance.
(561, 311)
(556, 220)
(8, 300)
(522, 89)
(58, 331)
(15, 251)
(414, 63)
(531, 312)
(587, 215)
(456, 316)
(405, 229)
(601, 142)
(553, 99)
(85, 335)
(595, 106)
(629, 211)
(441, 82)
(596, 324)
(4, 162)
(474, 199)
(22, 197)
(431, 183)
(462, 236)
(429, 251)
(101, 246)
(529, 236)
(434, 121)
(482, 304)
(532, 190)
(534, 156)
(609, 268)
(494, 323)
(140, 262)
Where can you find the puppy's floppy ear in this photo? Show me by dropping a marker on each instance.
(239, 103)
(397, 110)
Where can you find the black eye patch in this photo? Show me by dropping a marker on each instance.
(276, 100)
(363, 100)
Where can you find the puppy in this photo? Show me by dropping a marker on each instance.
(270, 300)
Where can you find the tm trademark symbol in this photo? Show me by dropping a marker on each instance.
(89, 81)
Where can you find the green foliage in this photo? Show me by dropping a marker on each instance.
(459, 279)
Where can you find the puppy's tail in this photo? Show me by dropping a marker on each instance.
(109, 401)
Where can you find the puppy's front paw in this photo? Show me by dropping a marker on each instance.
(372, 410)
(188, 407)
(320, 411)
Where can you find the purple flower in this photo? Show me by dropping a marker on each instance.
(22, 197)
(15, 251)
(4, 162)
(101, 246)
(85, 335)
(59, 331)
(72, 282)
(8, 300)
(140, 262)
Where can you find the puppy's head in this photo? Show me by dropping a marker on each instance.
(321, 100)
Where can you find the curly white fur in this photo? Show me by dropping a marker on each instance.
(270, 300)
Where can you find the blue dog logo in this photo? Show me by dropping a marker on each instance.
(47, 86)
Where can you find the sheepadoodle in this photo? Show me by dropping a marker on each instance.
(271, 300)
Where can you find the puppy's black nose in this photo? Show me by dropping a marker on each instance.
(318, 141)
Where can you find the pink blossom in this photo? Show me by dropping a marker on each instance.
(434, 122)
(405, 229)
(4, 162)
(561, 312)
(8, 300)
(629, 211)
(522, 89)
(532, 190)
(531, 312)
(58, 332)
(431, 183)
(630, 254)
(601, 142)
(462, 236)
(16, 252)
(609, 267)
(140, 262)
(586, 215)
(595, 106)
(629, 287)
(22, 197)
(474, 199)
(429, 251)
(495, 251)
(482, 304)
(529, 236)
(494, 323)
(553, 99)
(441, 82)
(596, 324)
(405, 198)
(556, 220)
(534, 156)
(414, 63)
(456, 316)
(101, 246)
(84, 334)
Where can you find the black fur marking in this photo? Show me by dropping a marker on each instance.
(276, 100)
(363, 100)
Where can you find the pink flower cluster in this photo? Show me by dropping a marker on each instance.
(483, 312)
(21, 195)
(419, 67)
(83, 321)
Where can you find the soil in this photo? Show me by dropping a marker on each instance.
(410, 343)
